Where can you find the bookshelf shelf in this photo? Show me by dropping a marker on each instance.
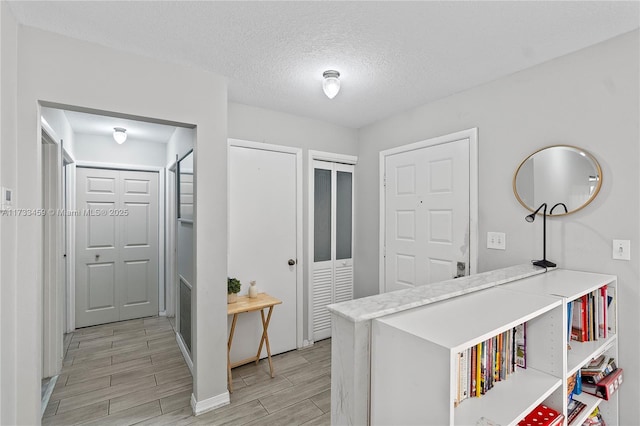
(591, 403)
(582, 352)
(530, 386)
(415, 357)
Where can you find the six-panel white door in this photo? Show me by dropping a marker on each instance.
(262, 239)
(426, 215)
(116, 245)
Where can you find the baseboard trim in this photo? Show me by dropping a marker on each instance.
(209, 404)
(185, 352)
(47, 395)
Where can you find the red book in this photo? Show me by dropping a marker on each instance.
(542, 416)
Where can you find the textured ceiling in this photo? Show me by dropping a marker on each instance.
(392, 56)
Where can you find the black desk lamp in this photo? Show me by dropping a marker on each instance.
(530, 218)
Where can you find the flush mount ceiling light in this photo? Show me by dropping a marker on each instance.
(120, 134)
(331, 83)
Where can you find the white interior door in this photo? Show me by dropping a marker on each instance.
(427, 215)
(116, 245)
(262, 239)
(332, 241)
(138, 247)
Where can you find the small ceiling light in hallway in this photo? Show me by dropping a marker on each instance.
(119, 134)
(331, 83)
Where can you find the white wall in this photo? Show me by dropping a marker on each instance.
(103, 149)
(62, 71)
(8, 225)
(588, 99)
(60, 124)
(181, 141)
(273, 127)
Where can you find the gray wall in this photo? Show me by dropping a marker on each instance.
(55, 70)
(103, 149)
(262, 125)
(180, 142)
(59, 123)
(11, 390)
(588, 99)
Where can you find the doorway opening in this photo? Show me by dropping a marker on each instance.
(128, 217)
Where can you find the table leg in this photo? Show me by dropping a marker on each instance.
(233, 328)
(265, 338)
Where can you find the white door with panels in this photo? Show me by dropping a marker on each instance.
(332, 241)
(426, 215)
(263, 243)
(116, 245)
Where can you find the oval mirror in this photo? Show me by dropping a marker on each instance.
(558, 174)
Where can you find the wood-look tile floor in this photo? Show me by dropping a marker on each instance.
(132, 372)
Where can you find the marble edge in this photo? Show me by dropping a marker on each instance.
(371, 307)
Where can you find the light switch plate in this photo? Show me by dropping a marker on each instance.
(621, 249)
(496, 240)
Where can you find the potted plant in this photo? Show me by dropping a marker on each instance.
(233, 287)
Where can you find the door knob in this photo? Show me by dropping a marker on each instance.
(291, 262)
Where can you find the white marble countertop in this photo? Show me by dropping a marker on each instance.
(368, 308)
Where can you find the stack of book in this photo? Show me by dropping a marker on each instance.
(481, 366)
(588, 316)
(601, 377)
(542, 416)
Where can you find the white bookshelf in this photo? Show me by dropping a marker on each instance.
(414, 354)
(570, 285)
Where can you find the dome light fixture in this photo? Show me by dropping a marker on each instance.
(119, 134)
(331, 83)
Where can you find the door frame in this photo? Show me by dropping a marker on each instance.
(53, 248)
(299, 228)
(472, 135)
(71, 285)
(330, 157)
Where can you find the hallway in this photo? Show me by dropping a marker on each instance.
(132, 372)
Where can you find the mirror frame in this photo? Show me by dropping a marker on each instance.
(586, 203)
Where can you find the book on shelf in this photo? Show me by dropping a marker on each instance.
(542, 416)
(573, 409)
(605, 366)
(521, 345)
(481, 366)
(606, 387)
(594, 419)
(589, 316)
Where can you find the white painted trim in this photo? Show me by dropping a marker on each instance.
(71, 249)
(209, 404)
(118, 166)
(472, 135)
(299, 226)
(170, 242)
(53, 247)
(185, 352)
(162, 306)
(47, 395)
(264, 146)
(332, 158)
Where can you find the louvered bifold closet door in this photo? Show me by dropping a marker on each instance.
(333, 241)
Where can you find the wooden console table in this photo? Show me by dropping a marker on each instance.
(245, 304)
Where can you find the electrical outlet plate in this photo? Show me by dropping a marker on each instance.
(621, 249)
(496, 240)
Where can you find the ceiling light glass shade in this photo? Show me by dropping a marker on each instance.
(331, 83)
(119, 134)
